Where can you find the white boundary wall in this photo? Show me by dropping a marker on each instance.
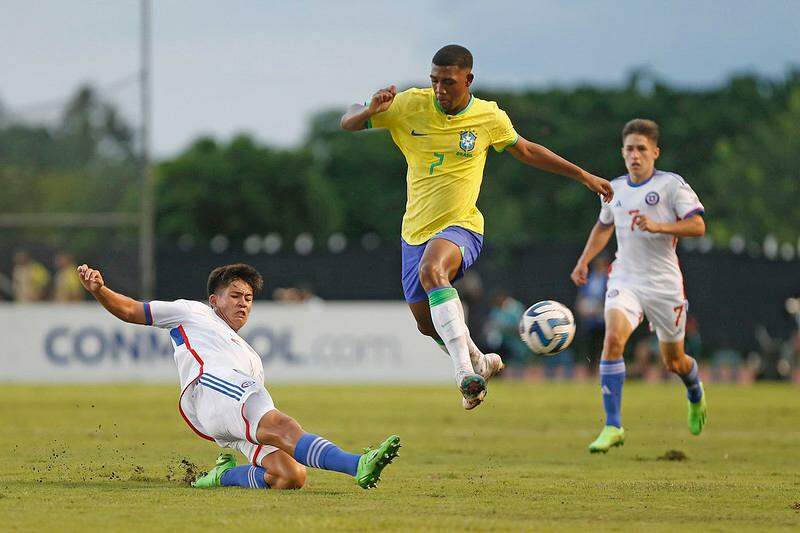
(330, 342)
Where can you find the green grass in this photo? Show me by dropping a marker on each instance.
(110, 458)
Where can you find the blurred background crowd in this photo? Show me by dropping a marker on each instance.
(493, 316)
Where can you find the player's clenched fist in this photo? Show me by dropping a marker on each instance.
(580, 274)
(646, 224)
(382, 99)
(91, 279)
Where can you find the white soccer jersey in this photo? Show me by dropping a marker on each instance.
(645, 259)
(202, 340)
(222, 377)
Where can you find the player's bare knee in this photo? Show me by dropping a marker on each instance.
(278, 429)
(432, 274)
(290, 479)
(298, 478)
(287, 426)
(614, 344)
(675, 365)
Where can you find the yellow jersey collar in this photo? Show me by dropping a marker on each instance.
(442, 111)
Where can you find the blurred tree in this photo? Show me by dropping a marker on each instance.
(755, 179)
(238, 189)
(85, 162)
(367, 172)
(737, 144)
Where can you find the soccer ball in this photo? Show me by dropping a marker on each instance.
(547, 327)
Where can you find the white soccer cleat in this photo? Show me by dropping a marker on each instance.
(493, 365)
(473, 390)
(470, 404)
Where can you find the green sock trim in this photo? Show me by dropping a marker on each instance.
(440, 296)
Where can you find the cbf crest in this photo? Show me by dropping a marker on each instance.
(467, 140)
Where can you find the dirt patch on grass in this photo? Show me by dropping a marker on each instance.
(139, 475)
(185, 472)
(673, 455)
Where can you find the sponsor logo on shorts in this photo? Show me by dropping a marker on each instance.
(248, 384)
(652, 198)
(612, 293)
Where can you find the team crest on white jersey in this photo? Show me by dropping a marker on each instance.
(467, 140)
(652, 198)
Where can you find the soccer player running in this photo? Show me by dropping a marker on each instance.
(652, 210)
(445, 133)
(223, 398)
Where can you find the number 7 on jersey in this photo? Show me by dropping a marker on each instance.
(438, 162)
(678, 312)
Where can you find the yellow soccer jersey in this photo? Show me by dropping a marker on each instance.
(445, 155)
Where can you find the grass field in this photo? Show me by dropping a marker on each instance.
(114, 458)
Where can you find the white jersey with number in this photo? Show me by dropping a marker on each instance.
(644, 259)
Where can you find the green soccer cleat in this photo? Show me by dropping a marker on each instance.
(610, 436)
(698, 412)
(374, 461)
(225, 462)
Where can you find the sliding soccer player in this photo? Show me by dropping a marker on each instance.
(223, 398)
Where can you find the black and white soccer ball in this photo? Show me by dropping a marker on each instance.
(547, 327)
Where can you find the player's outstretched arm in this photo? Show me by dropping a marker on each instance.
(357, 115)
(694, 226)
(540, 157)
(598, 238)
(119, 305)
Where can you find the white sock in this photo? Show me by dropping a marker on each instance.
(477, 357)
(449, 323)
(440, 344)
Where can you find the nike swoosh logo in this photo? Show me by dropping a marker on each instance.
(417, 134)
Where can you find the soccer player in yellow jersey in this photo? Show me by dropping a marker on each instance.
(445, 133)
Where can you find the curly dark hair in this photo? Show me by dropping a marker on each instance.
(223, 276)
